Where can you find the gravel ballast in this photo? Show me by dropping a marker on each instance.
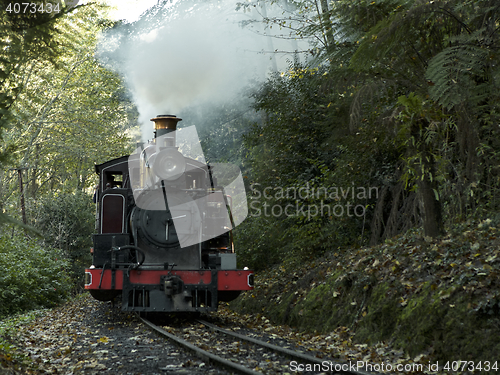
(85, 336)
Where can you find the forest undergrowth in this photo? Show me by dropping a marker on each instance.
(435, 297)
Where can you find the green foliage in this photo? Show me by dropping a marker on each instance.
(441, 54)
(23, 37)
(6, 219)
(27, 39)
(297, 128)
(221, 128)
(423, 132)
(407, 100)
(67, 222)
(33, 275)
(304, 144)
(258, 243)
(460, 73)
(281, 154)
(65, 113)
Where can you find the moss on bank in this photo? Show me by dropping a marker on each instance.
(437, 297)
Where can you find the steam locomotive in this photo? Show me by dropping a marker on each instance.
(164, 229)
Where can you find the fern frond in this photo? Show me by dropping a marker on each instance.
(459, 74)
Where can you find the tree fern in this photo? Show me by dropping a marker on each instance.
(460, 73)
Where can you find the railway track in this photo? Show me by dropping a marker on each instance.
(243, 354)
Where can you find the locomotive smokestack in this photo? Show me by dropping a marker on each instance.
(165, 124)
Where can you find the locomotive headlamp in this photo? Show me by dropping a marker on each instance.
(169, 164)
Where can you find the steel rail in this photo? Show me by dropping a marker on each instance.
(200, 353)
(283, 351)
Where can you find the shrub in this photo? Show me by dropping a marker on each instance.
(67, 223)
(32, 276)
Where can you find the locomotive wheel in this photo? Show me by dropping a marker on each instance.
(104, 295)
(228, 296)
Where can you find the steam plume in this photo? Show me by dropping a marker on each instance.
(183, 54)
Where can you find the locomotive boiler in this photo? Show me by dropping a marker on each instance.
(164, 229)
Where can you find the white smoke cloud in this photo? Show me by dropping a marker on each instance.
(198, 53)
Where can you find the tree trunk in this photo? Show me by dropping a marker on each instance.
(269, 39)
(428, 192)
(326, 24)
(431, 208)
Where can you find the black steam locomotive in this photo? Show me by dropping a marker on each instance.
(164, 239)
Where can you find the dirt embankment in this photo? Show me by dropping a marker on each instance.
(438, 297)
